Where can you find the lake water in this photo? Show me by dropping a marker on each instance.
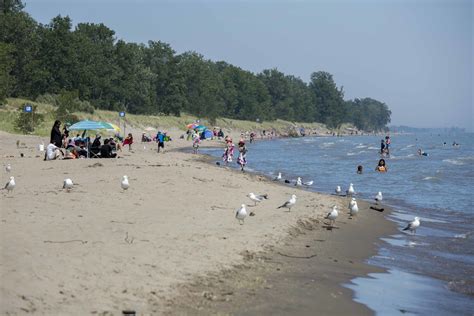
(431, 272)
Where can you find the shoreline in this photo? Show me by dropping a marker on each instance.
(99, 250)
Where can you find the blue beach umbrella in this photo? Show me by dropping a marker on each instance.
(90, 125)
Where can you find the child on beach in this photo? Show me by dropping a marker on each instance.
(128, 141)
(196, 143)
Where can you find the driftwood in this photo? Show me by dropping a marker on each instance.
(297, 257)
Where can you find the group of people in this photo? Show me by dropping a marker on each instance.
(62, 146)
(385, 146)
(228, 154)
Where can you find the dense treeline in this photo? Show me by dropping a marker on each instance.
(90, 62)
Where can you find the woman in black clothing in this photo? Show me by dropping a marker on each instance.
(56, 136)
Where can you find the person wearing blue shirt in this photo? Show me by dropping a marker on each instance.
(160, 138)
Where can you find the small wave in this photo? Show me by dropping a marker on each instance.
(430, 178)
(371, 147)
(360, 146)
(325, 145)
(454, 162)
(351, 154)
(463, 236)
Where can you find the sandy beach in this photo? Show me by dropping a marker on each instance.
(170, 244)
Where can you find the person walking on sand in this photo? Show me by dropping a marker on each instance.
(160, 139)
(229, 151)
(242, 159)
(196, 143)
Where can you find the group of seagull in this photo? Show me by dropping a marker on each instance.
(298, 181)
(241, 213)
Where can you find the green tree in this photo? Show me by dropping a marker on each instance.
(6, 65)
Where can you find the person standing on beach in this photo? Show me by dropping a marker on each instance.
(242, 160)
(160, 139)
(56, 136)
(228, 152)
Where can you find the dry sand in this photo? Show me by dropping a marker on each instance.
(98, 250)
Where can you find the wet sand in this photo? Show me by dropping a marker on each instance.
(160, 244)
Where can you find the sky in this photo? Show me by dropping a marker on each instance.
(414, 55)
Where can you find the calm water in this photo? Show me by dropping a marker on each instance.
(429, 273)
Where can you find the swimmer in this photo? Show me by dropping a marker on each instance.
(359, 169)
(422, 153)
(381, 167)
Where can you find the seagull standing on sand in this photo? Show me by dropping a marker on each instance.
(8, 168)
(241, 214)
(353, 207)
(67, 184)
(289, 204)
(338, 190)
(298, 182)
(257, 198)
(378, 198)
(351, 190)
(125, 184)
(10, 185)
(332, 215)
(413, 225)
(278, 178)
(308, 183)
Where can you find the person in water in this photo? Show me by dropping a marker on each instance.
(381, 167)
(359, 169)
(422, 153)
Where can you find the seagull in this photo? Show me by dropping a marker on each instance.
(308, 183)
(352, 202)
(353, 208)
(298, 182)
(10, 185)
(125, 184)
(289, 204)
(338, 190)
(241, 214)
(257, 198)
(8, 168)
(67, 184)
(350, 191)
(413, 225)
(378, 198)
(277, 178)
(332, 215)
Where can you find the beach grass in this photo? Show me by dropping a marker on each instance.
(11, 110)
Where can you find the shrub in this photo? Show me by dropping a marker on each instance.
(26, 123)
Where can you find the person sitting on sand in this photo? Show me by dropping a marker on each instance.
(359, 169)
(106, 150)
(381, 167)
(53, 152)
(220, 134)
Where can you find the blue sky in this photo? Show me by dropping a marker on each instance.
(414, 55)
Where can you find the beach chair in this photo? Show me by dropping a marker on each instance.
(94, 152)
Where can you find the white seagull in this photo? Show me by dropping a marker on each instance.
(8, 168)
(378, 198)
(351, 190)
(10, 185)
(241, 214)
(125, 184)
(413, 225)
(308, 183)
(289, 204)
(353, 208)
(67, 184)
(332, 215)
(338, 190)
(257, 198)
(278, 178)
(298, 182)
